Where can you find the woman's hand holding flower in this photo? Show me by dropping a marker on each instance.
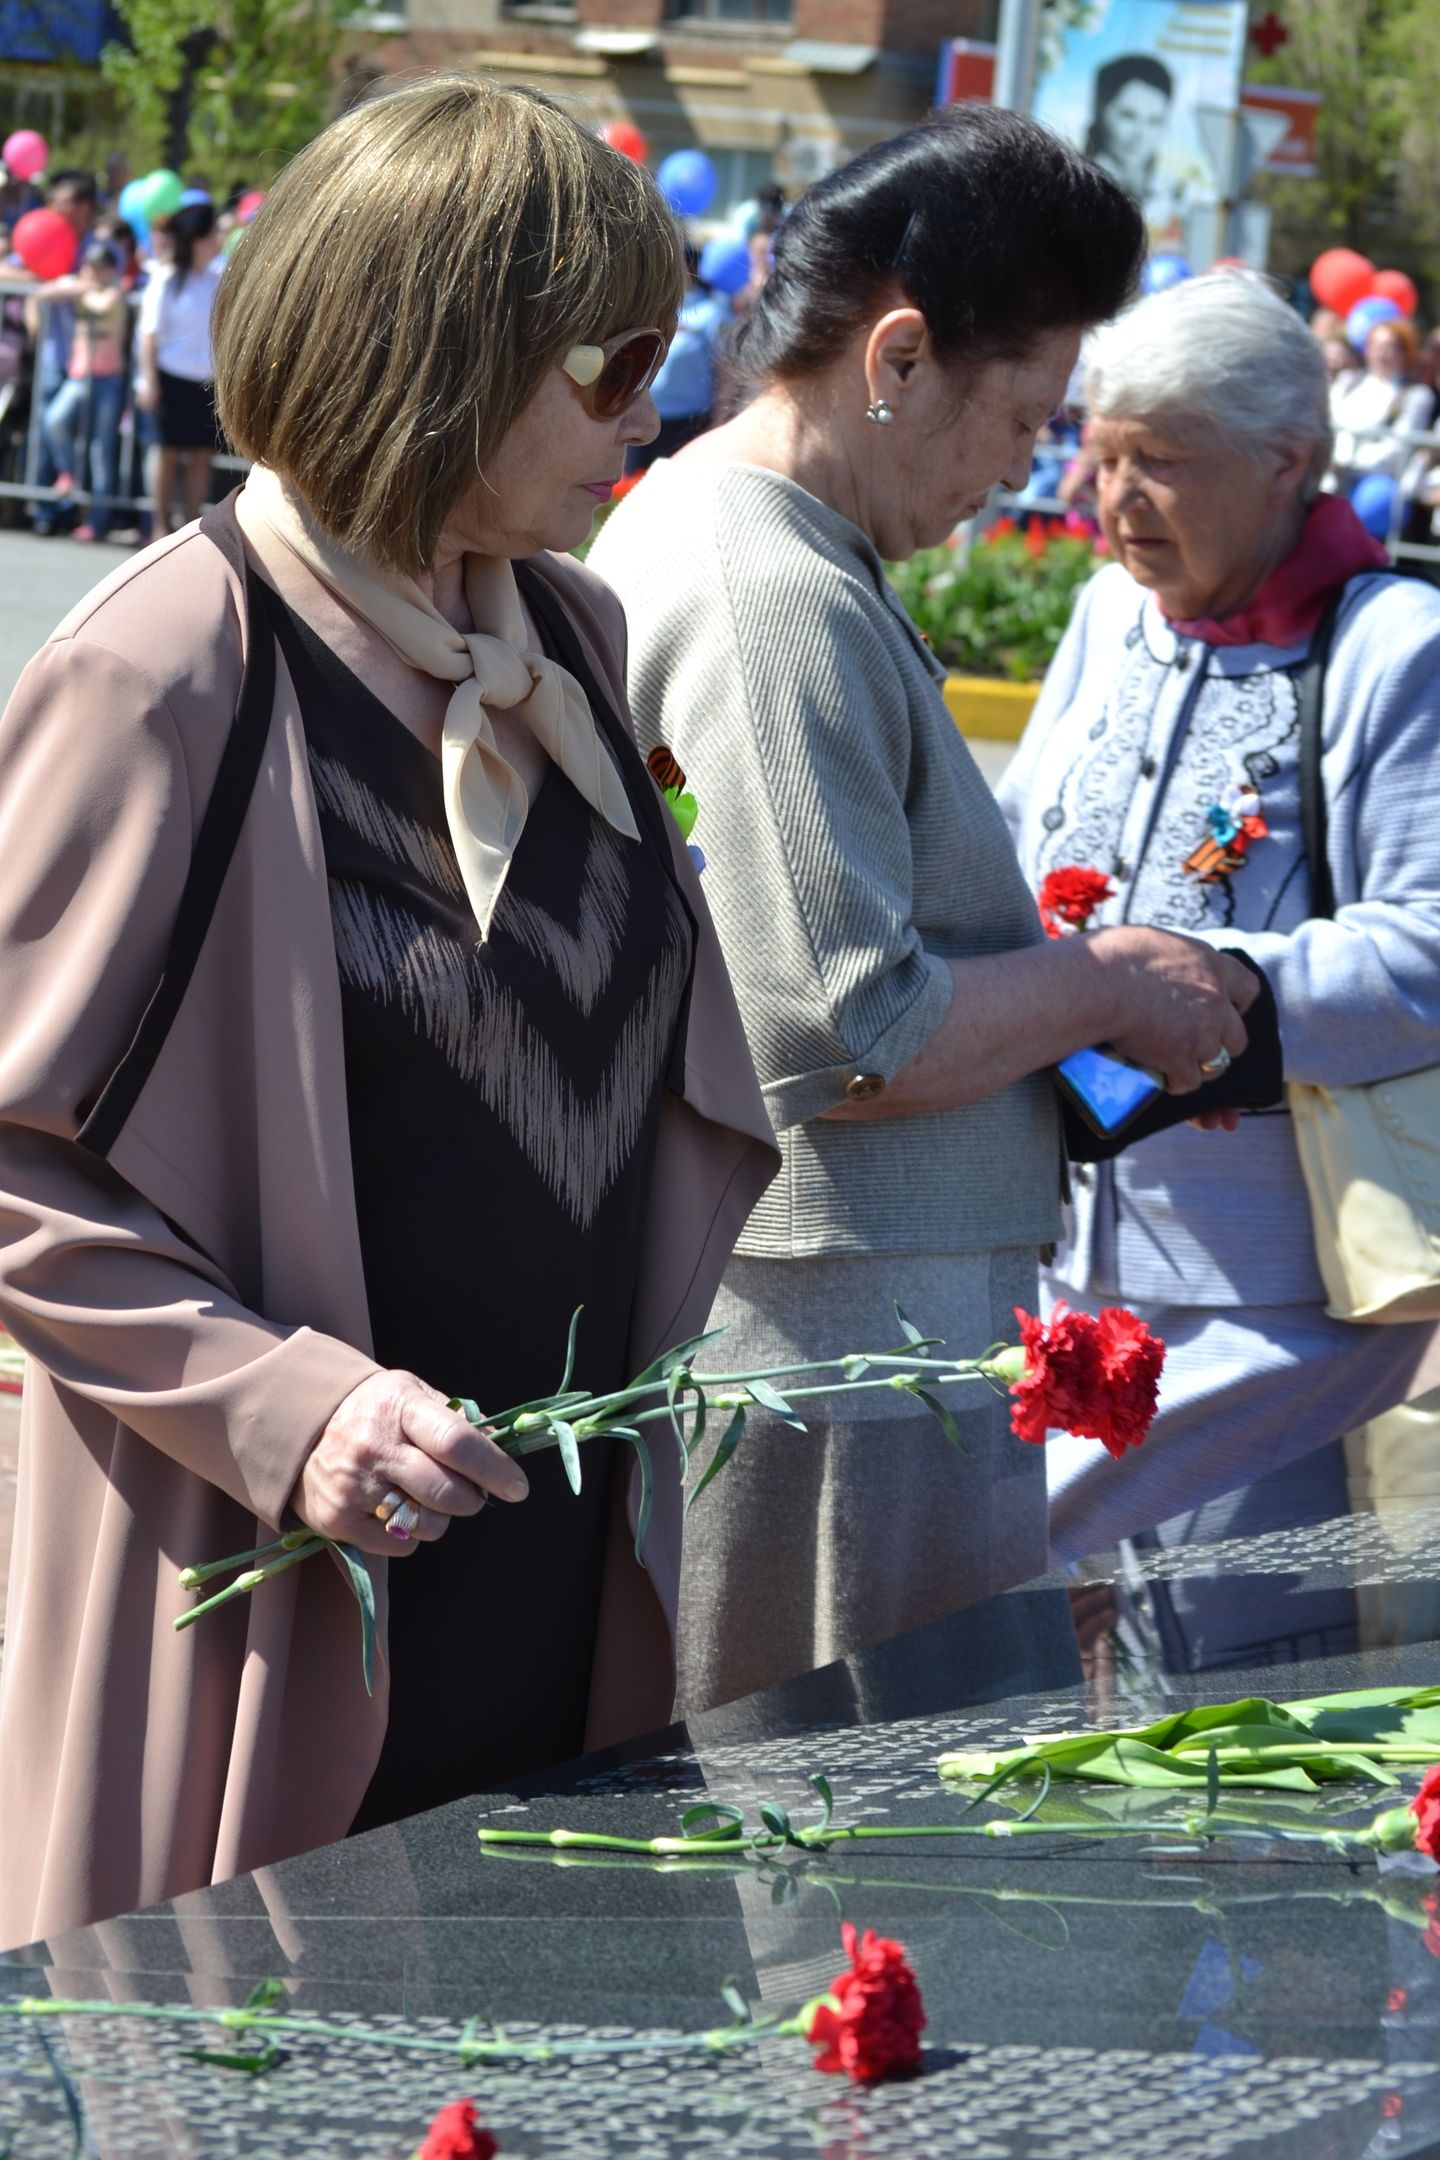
(394, 1433)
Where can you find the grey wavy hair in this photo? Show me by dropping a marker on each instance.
(1225, 350)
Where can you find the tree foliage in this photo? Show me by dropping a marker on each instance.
(236, 88)
(1376, 67)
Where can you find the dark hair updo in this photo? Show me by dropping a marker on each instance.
(996, 229)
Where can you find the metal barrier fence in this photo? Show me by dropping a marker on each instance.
(22, 417)
(22, 451)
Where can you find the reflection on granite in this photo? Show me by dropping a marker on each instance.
(1084, 1996)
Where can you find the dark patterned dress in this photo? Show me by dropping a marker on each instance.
(504, 1101)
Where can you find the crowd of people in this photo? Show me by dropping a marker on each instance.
(444, 1035)
(123, 328)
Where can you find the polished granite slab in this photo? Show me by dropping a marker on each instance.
(1085, 1996)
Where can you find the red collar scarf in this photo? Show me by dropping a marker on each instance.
(1334, 546)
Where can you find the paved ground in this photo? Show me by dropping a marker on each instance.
(40, 581)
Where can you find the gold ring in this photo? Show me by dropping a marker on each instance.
(388, 1506)
(1219, 1063)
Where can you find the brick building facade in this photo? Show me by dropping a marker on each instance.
(779, 90)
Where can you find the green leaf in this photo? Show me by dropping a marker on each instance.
(569, 1448)
(673, 1385)
(468, 1409)
(355, 1567)
(712, 1822)
(821, 1785)
(735, 2003)
(914, 1340)
(942, 1413)
(565, 1376)
(777, 1821)
(725, 1447)
(1046, 1779)
(647, 1491)
(679, 1354)
(253, 2061)
(771, 1399)
(1212, 1779)
(265, 1995)
(701, 1415)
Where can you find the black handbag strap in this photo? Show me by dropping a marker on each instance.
(214, 848)
(1314, 821)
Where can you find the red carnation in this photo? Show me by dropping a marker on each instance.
(1069, 897)
(457, 2134)
(870, 2027)
(1430, 1905)
(1096, 1377)
(1425, 1807)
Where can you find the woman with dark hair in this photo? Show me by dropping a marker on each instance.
(1132, 104)
(920, 325)
(176, 373)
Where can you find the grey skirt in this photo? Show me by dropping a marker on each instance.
(810, 1546)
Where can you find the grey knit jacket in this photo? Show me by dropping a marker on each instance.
(851, 846)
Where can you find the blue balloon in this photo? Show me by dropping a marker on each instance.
(1365, 314)
(725, 264)
(194, 195)
(1373, 500)
(687, 181)
(1163, 271)
(132, 210)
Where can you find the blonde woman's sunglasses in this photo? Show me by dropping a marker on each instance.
(611, 376)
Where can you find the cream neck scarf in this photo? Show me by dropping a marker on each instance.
(485, 800)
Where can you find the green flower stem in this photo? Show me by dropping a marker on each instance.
(467, 2049)
(736, 1841)
(941, 1372)
(532, 1433)
(192, 1577)
(697, 1848)
(252, 1578)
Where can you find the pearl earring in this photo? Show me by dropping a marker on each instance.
(881, 412)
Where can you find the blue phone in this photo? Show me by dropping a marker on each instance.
(1107, 1090)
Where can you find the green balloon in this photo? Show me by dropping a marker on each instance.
(160, 193)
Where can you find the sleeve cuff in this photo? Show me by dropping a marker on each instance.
(805, 1095)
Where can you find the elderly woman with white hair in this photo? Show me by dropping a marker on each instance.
(1164, 751)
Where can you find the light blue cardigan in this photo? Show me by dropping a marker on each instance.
(1135, 735)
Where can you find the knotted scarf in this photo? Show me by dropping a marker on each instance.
(492, 666)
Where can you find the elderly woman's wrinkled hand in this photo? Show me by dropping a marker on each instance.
(1179, 1004)
(395, 1434)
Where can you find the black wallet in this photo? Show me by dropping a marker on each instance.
(1253, 1081)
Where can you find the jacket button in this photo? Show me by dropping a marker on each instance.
(864, 1087)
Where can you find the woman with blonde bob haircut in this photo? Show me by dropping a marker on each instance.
(365, 1019)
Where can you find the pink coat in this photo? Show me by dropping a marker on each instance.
(195, 1310)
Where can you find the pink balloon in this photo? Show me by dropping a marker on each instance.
(248, 204)
(45, 243)
(25, 153)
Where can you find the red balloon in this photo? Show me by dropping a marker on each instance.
(1394, 285)
(248, 204)
(1340, 279)
(45, 243)
(623, 136)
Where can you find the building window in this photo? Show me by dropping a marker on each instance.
(730, 11)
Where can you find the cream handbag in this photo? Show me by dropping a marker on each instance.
(1370, 1155)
